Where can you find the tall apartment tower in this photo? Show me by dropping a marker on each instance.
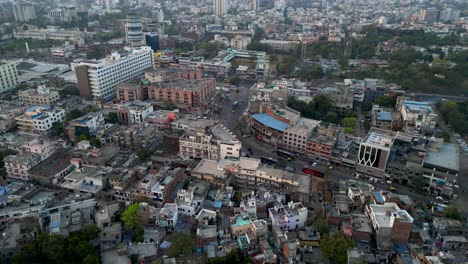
(8, 76)
(429, 15)
(220, 7)
(24, 11)
(99, 78)
(134, 30)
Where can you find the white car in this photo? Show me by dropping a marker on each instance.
(439, 198)
(314, 164)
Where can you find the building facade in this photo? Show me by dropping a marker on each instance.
(8, 76)
(39, 119)
(42, 96)
(98, 79)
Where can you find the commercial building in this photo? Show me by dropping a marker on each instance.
(213, 143)
(61, 15)
(240, 42)
(74, 36)
(42, 96)
(39, 119)
(138, 136)
(190, 95)
(8, 76)
(441, 167)
(24, 11)
(282, 45)
(374, 152)
(295, 138)
(390, 223)
(321, 141)
(131, 91)
(134, 31)
(152, 41)
(98, 78)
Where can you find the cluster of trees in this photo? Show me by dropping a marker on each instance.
(234, 257)
(17, 47)
(335, 247)
(310, 73)
(77, 248)
(182, 245)
(456, 115)
(144, 154)
(320, 108)
(132, 223)
(208, 49)
(452, 212)
(349, 123)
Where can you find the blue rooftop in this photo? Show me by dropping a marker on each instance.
(384, 116)
(378, 197)
(270, 121)
(417, 106)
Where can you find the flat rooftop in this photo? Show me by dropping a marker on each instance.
(380, 138)
(415, 106)
(223, 134)
(447, 156)
(206, 166)
(269, 121)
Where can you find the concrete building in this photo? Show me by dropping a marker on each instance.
(98, 78)
(134, 112)
(282, 45)
(44, 148)
(429, 15)
(42, 96)
(134, 31)
(374, 152)
(289, 217)
(441, 167)
(61, 15)
(130, 91)
(390, 223)
(449, 15)
(415, 117)
(321, 141)
(23, 11)
(39, 119)
(240, 42)
(220, 7)
(138, 136)
(8, 76)
(17, 166)
(189, 95)
(85, 125)
(85, 179)
(213, 143)
(295, 138)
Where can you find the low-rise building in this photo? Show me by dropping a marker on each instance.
(42, 96)
(321, 141)
(390, 223)
(85, 125)
(138, 136)
(289, 217)
(85, 179)
(134, 112)
(39, 119)
(17, 166)
(415, 117)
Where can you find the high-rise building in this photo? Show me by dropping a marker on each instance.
(220, 7)
(98, 78)
(8, 76)
(24, 11)
(152, 40)
(134, 31)
(429, 15)
(449, 15)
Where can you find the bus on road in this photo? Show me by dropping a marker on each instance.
(285, 154)
(312, 172)
(268, 160)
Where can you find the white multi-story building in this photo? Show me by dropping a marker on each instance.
(39, 119)
(214, 144)
(42, 96)
(135, 112)
(134, 31)
(415, 117)
(8, 76)
(40, 146)
(289, 217)
(220, 7)
(24, 11)
(240, 42)
(98, 78)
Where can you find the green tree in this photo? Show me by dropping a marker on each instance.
(58, 128)
(132, 222)
(73, 114)
(322, 226)
(349, 122)
(386, 101)
(335, 247)
(182, 244)
(186, 184)
(144, 154)
(452, 212)
(237, 198)
(112, 117)
(95, 142)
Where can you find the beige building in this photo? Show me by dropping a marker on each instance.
(42, 96)
(17, 166)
